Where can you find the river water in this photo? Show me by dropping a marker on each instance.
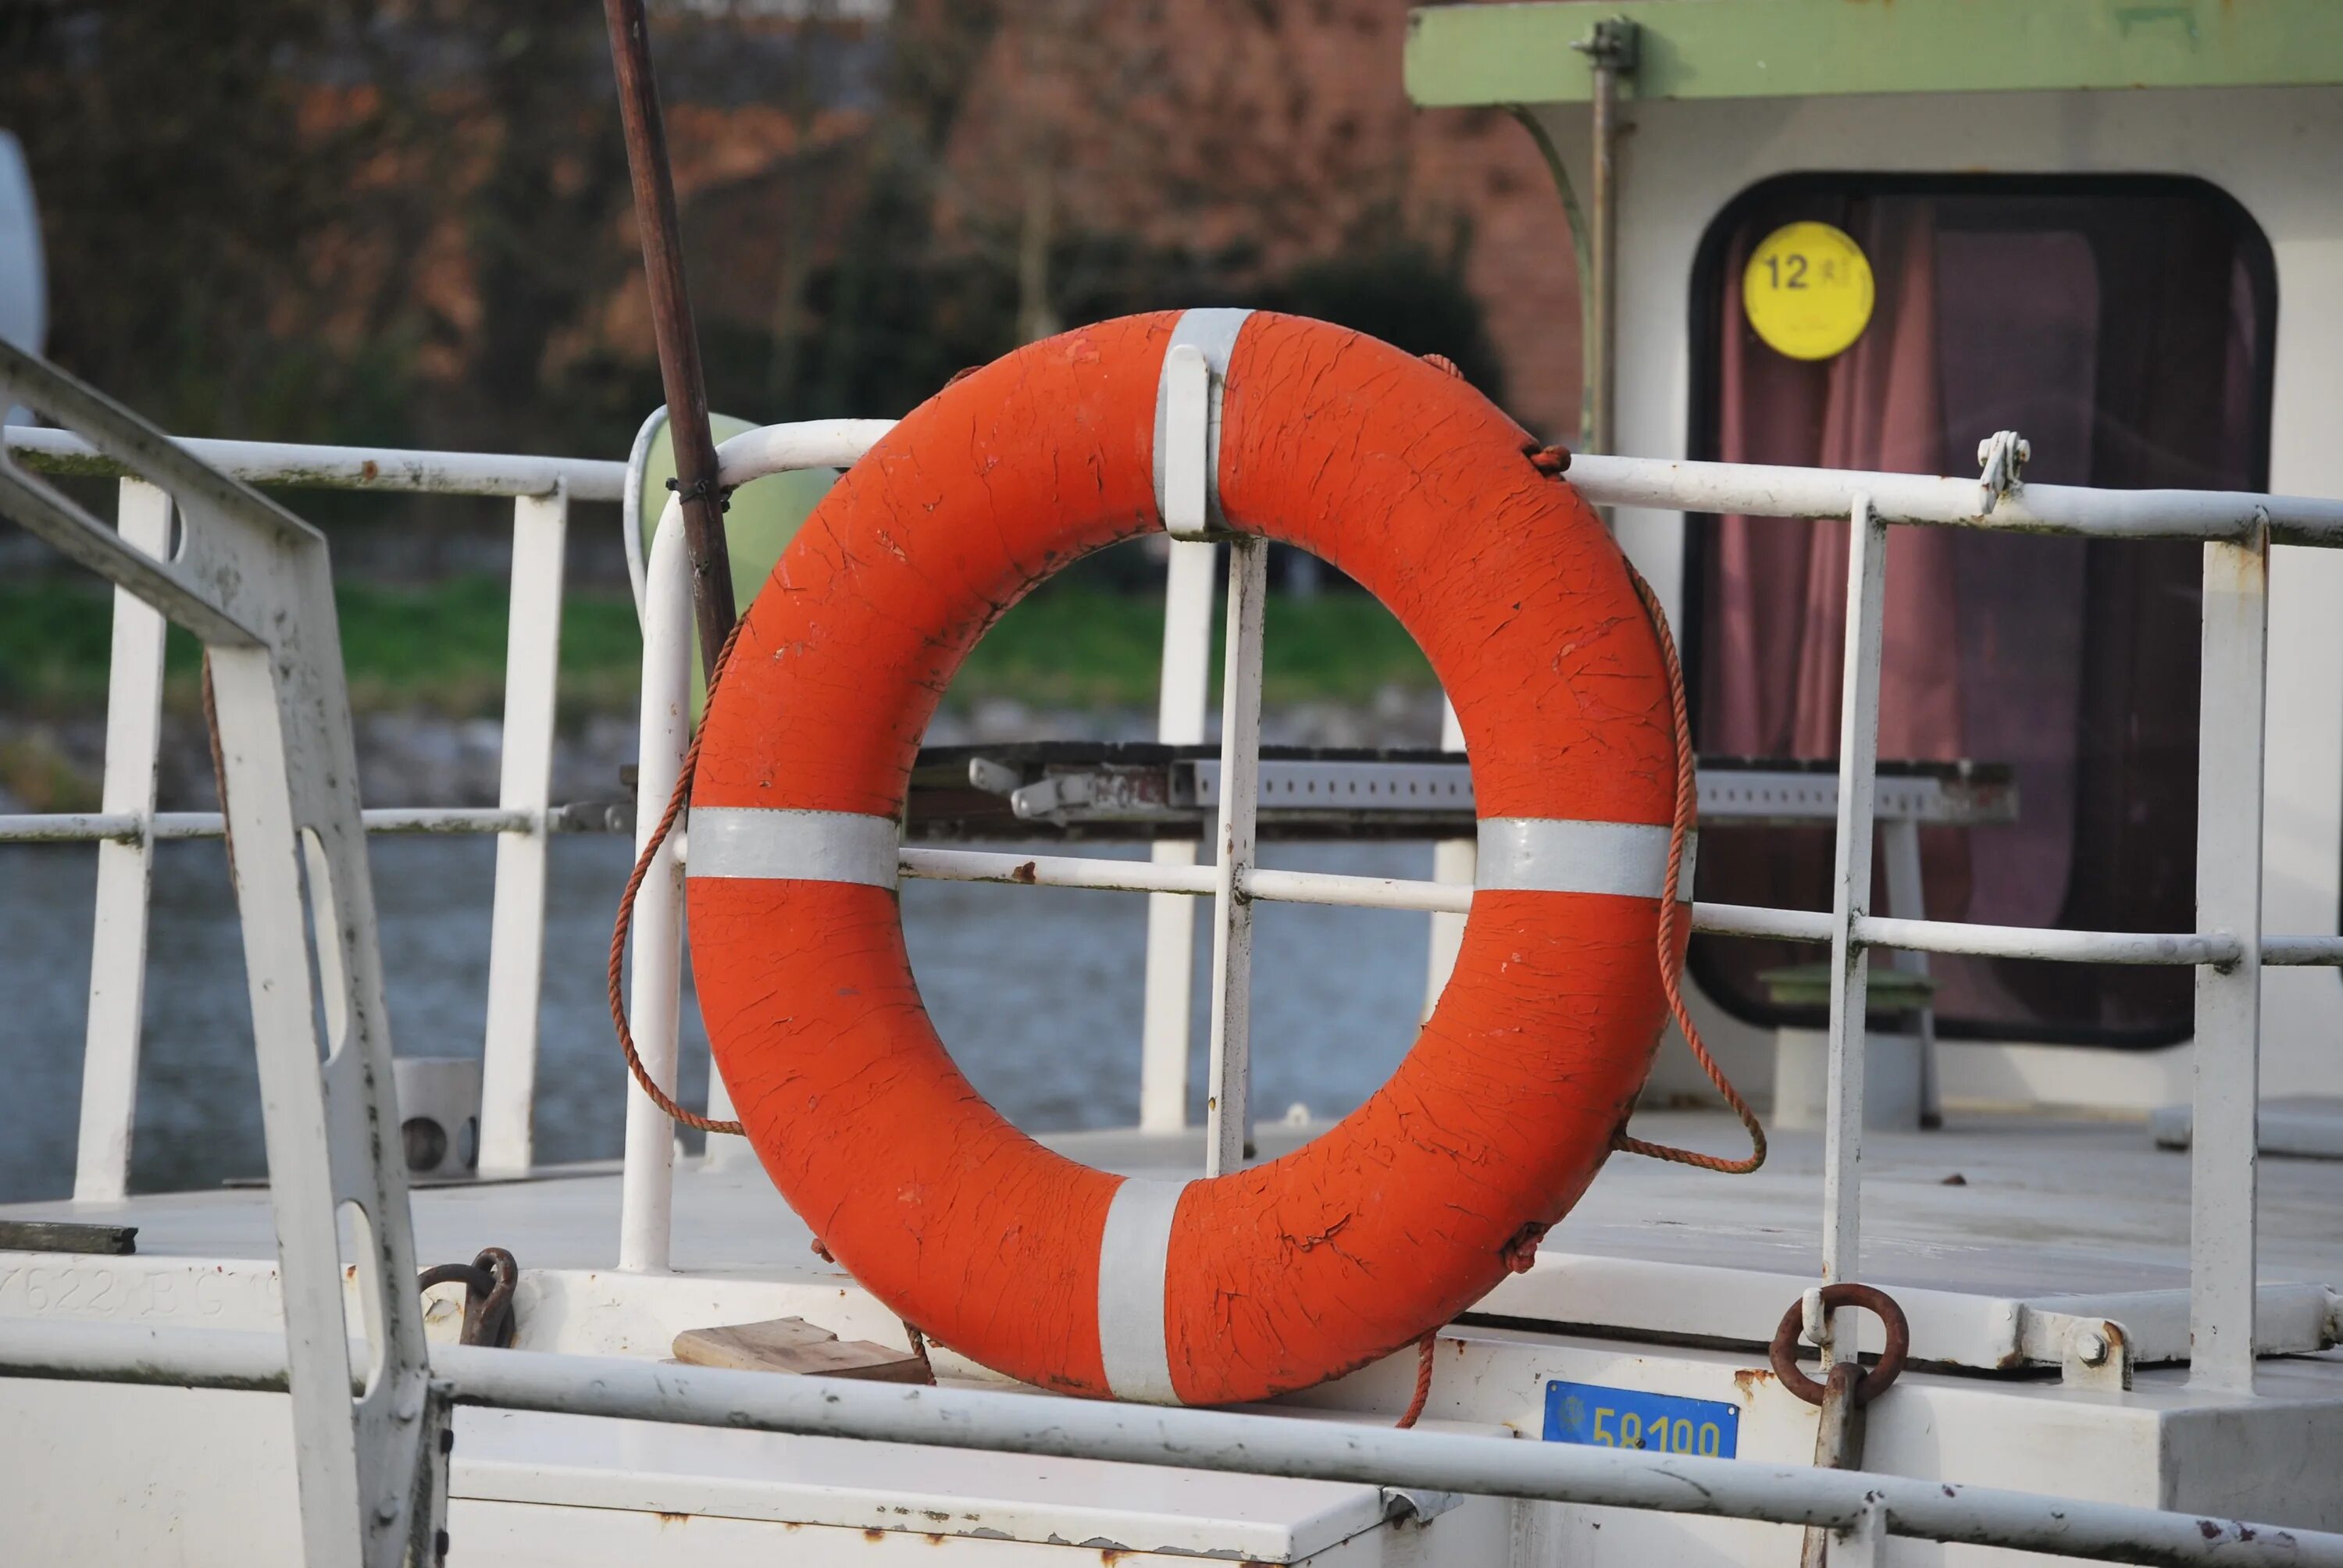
(1037, 992)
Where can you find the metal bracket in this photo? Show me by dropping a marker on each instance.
(1417, 1504)
(1187, 425)
(1614, 43)
(1813, 1319)
(2098, 1357)
(2003, 456)
(1053, 795)
(253, 582)
(2089, 1353)
(993, 778)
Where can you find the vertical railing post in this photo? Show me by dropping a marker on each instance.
(517, 924)
(1183, 451)
(1453, 861)
(1899, 843)
(1171, 917)
(2223, 1144)
(1858, 756)
(1229, 1105)
(647, 1185)
(118, 964)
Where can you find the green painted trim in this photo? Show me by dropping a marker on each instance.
(1469, 55)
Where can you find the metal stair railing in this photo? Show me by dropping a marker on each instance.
(253, 583)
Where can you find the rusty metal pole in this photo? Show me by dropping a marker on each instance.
(713, 611)
(1611, 48)
(1601, 285)
(1838, 1445)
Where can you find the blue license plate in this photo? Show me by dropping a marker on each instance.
(1629, 1418)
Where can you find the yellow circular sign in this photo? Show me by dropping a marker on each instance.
(1809, 291)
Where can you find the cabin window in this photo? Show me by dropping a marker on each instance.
(2124, 326)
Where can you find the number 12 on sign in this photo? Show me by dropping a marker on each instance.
(1629, 1418)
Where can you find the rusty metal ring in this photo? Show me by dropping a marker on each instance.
(1784, 1351)
(488, 1282)
(493, 1324)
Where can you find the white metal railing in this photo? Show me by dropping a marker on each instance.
(308, 467)
(2228, 949)
(127, 826)
(1861, 1508)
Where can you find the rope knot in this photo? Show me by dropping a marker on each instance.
(705, 489)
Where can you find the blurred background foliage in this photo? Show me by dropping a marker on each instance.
(407, 221)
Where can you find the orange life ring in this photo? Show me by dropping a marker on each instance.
(1279, 1276)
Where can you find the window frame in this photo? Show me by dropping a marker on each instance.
(1702, 441)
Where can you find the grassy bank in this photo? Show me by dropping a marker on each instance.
(1071, 645)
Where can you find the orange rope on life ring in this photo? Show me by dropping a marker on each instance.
(1355, 1246)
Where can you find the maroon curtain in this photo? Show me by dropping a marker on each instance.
(1777, 621)
(2119, 332)
(1774, 638)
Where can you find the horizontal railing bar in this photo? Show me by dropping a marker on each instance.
(1256, 1444)
(1148, 877)
(637, 1389)
(1054, 871)
(1759, 491)
(805, 444)
(344, 468)
(89, 827)
(2182, 948)
(1766, 924)
(386, 820)
(1751, 489)
(69, 827)
(1270, 885)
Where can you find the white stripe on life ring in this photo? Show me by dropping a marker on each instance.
(1557, 855)
(1215, 333)
(1134, 1254)
(767, 843)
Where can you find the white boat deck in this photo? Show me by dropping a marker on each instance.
(2048, 1217)
(2075, 1216)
